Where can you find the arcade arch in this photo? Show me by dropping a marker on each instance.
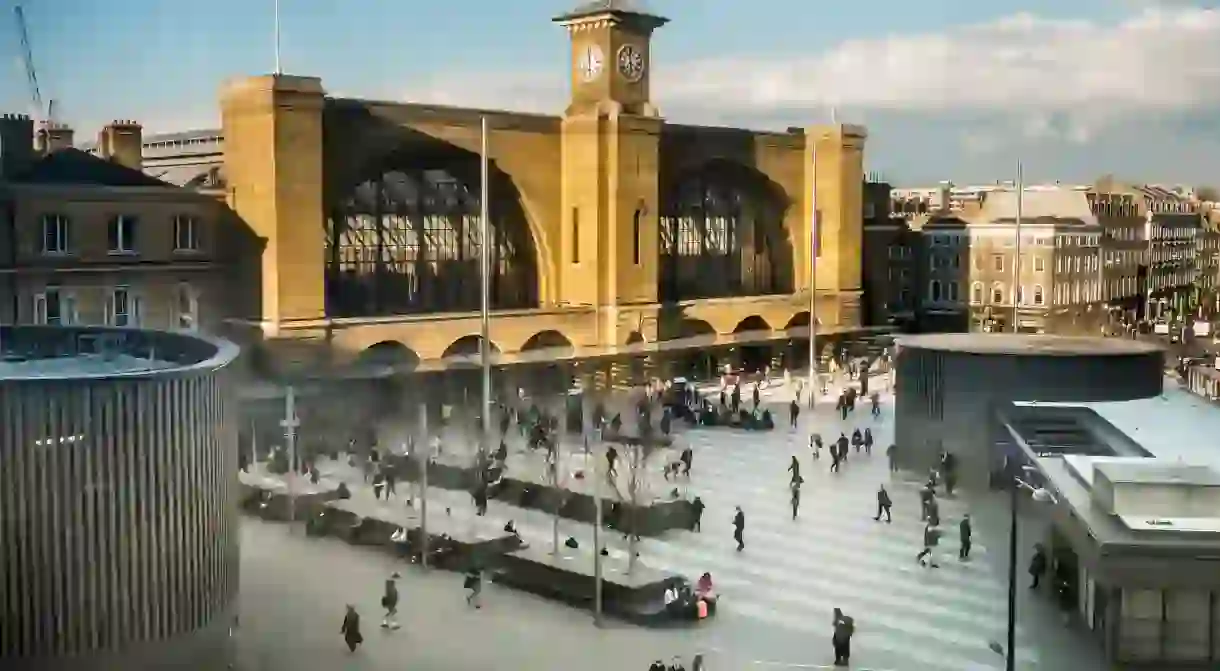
(722, 235)
(407, 239)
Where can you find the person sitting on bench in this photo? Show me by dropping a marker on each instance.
(705, 591)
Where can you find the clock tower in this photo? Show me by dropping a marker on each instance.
(611, 59)
(610, 153)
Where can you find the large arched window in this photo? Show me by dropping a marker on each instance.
(722, 234)
(409, 241)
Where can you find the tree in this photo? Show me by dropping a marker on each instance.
(642, 447)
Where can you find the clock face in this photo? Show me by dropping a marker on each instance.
(630, 63)
(590, 63)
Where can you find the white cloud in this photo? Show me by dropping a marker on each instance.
(1073, 77)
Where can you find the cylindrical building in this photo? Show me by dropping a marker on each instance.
(119, 539)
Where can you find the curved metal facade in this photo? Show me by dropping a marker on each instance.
(118, 518)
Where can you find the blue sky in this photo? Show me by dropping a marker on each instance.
(949, 88)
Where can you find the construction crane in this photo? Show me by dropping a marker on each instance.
(41, 112)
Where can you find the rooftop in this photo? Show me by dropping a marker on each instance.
(81, 365)
(1158, 472)
(74, 167)
(1016, 344)
(51, 353)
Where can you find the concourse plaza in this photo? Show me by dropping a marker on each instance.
(776, 597)
(949, 386)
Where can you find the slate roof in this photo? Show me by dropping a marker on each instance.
(74, 167)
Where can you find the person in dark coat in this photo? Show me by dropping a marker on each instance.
(351, 629)
(868, 441)
(794, 413)
(883, 505)
(687, 457)
(657, 666)
(965, 531)
(1037, 566)
(697, 514)
(739, 529)
(844, 627)
(795, 469)
(389, 601)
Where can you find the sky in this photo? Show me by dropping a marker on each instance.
(949, 89)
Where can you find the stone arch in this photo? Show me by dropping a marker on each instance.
(390, 355)
(799, 319)
(723, 234)
(695, 327)
(549, 340)
(468, 345)
(403, 234)
(752, 323)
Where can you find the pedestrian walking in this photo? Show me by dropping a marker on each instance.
(931, 538)
(891, 453)
(474, 583)
(794, 467)
(883, 505)
(796, 496)
(815, 445)
(739, 529)
(794, 413)
(868, 441)
(965, 532)
(389, 601)
(1037, 566)
(351, 629)
(926, 496)
(697, 514)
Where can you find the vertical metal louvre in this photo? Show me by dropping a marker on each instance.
(117, 511)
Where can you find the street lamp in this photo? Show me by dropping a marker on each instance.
(1040, 495)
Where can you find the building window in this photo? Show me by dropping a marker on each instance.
(997, 293)
(635, 238)
(122, 234)
(575, 235)
(56, 231)
(54, 307)
(1039, 264)
(123, 308)
(997, 262)
(953, 290)
(1039, 297)
(976, 293)
(186, 233)
(934, 291)
(187, 307)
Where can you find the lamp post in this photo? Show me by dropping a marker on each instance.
(290, 424)
(1039, 495)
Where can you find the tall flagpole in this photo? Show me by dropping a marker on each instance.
(485, 243)
(278, 69)
(814, 387)
(1016, 266)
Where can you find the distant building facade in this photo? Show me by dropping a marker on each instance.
(970, 279)
(890, 248)
(92, 239)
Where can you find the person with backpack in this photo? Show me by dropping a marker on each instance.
(844, 627)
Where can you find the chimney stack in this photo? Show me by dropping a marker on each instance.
(123, 143)
(53, 136)
(16, 144)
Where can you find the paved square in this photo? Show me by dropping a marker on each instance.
(777, 595)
